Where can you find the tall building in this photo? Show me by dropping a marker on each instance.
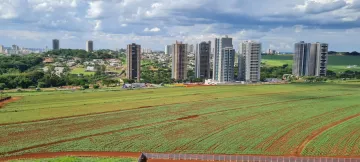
(191, 48)
(168, 49)
(89, 46)
(310, 59)
(249, 61)
(56, 44)
(133, 59)
(1, 49)
(179, 61)
(223, 58)
(202, 60)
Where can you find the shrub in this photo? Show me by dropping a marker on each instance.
(41, 85)
(2, 86)
(6, 88)
(85, 87)
(32, 87)
(96, 86)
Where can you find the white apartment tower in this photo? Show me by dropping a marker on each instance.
(224, 58)
(249, 61)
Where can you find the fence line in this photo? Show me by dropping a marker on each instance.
(244, 158)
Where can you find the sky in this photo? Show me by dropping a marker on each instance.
(111, 24)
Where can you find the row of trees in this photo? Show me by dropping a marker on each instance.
(12, 64)
(354, 53)
(70, 53)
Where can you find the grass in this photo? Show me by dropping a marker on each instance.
(78, 159)
(266, 120)
(336, 63)
(81, 71)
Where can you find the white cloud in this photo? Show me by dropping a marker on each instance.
(95, 10)
(156, 29)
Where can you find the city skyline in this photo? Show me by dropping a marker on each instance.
(114, 24)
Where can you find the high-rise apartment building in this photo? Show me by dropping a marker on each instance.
(56, 44)
(133, 58)
(249, 61)
(2, 49)
(310, 59)
(191, 48)
(168, 49)
(179, 61)
(89, 46)
(222, 59)
(202, 60)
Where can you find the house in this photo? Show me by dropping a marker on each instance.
(114, 64)
(99, 61)
(59, 70)
(90, 69)
(48, 60)
(87, 63)
(71, 63)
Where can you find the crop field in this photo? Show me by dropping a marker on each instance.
(79, 159)
(291, 120)
(336, 63)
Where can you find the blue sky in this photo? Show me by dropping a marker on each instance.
(278, 24)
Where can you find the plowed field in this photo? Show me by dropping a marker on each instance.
(290, 120)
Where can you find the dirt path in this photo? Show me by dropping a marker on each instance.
(13, 99)
(79, 154)
(316, 133)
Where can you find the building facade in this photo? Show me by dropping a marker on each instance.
(310, 59)
(218, 58)
(56, 44)
(202, 60)
(249, 61)
(89, 46)
(133, 58)
(168, 49)
(179, 61)
(2, 50)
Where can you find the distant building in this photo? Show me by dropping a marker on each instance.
(249, 61)
(15, 47)
(179, 61)
(89, 46)
(202, 60)
(133, 56)
(56, 44)
(1, 49)
(223, 59)
(168, 49)
(310, 59)
(191, 48)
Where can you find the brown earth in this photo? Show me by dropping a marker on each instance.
(12, 99)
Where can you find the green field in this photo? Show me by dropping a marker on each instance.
(292, 119)
(81, 71)
(78, 159)
(336, 63)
